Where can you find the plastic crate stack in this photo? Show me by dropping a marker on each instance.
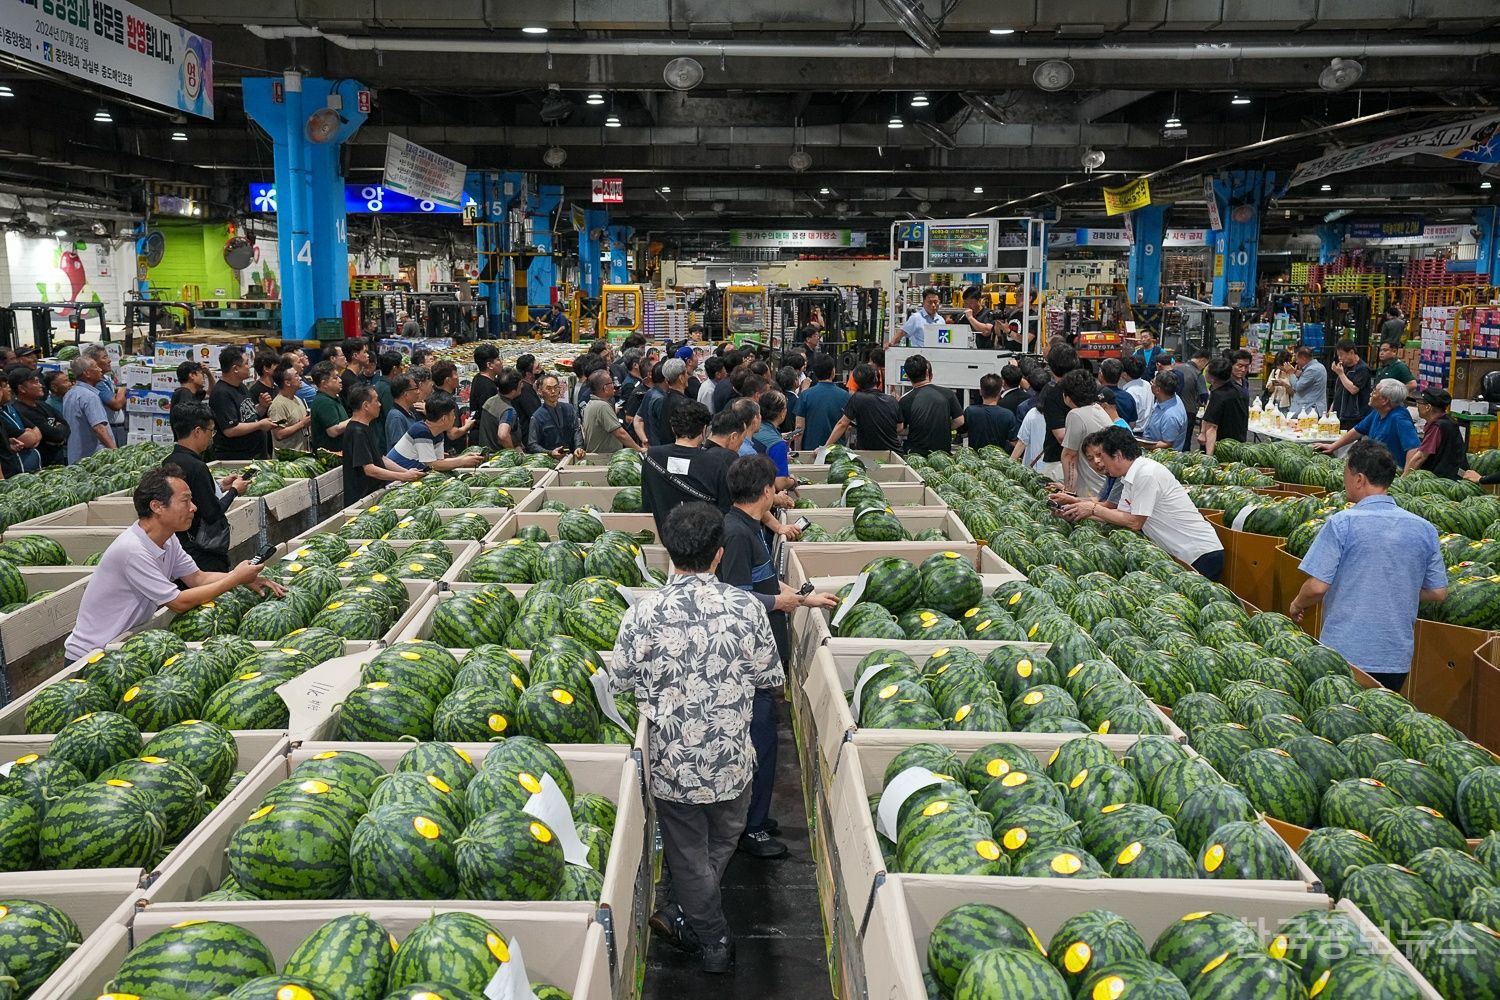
(1486, 336)
(1301, 271)
(1424, 274)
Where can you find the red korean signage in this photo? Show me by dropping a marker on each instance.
(609, 190)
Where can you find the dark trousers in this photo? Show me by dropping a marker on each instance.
(1210, 564)
(763, 737)
(1394, 682)
(698, 841)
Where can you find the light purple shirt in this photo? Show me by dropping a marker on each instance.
(134, 578)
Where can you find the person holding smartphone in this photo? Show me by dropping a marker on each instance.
(206, 540)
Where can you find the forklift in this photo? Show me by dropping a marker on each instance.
(41, 322)
(620, 312)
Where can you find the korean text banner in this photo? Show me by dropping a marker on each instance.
(114, 44)
(795, 238)
(413, 170)
(1474, 141)
(1127, 197)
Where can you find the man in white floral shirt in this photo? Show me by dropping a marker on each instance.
(695, 652)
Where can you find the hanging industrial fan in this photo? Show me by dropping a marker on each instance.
(323, 124)
(935, 134)
(153, 247)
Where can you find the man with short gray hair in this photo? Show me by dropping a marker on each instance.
(88, 420)
(674, 376)
(602, 431)
(111, 394)
(1387, 422)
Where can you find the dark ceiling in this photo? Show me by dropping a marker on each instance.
(460, 77)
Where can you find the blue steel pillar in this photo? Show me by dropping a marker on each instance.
(1330, 243)
(1150, 227)
(313, 230)
(619, 254)
(1487, 263)
(595, 221)
(541, 277)
(1237, 245)
(496, 193)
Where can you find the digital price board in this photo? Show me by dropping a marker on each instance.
(960, 246)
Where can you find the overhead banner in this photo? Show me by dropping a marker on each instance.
(824, 238)
(1167, 191)
(113, 44)
(1428, 236)
(1123, 238)
(422, 174)
(1212, 198)
(1389, 229)
(1473, 141)
(364, 199)
(1128, 197)
(608, 191)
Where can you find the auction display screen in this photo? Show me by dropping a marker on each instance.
(960, 246)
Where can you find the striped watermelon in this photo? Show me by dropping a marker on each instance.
(1107, 831)
(19, 826)
(1196, 939)
(580, 885)
(1417, 783)
(414, 663)
(381, 712)
(1206, 809)
(1403, 832)
(507, 854)
(1367, 750)
(351, 955)
(427, 793)
(1277, 785)
(349, 767)
(55, 705)
(522, 755)
(1459, 959)
(1332, 851)
(112, 672)
(297, 850)
(1133, 977)
(476, 714)
(969, 929)
(1314, 940)
(1478, 799)
(193, 960)
(459, 949)
(1365, 977)
(555, 714)
(249, 701)
(1354, 804)
(151, 648)
(1250, 975)
(1246, 850)
(452, 764)
(1090, 941)
(40, 780)
(35, 938)
(206, 749)
(180, 796)
(1452, 874)
(594, 621)
(1395, 898)
(1153, 857)
(1059, 863)
(282, 987)
(106, 824)
(1455, 760)
(893, 583)
(399, 852)
(1010, 972)
(162, 700)
(96, 741)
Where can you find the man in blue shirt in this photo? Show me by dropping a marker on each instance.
(1370, 566)
(554, 428)
(914, 330)
(1387, 422)
(820, 406)
(1166, 427)
(421, 447)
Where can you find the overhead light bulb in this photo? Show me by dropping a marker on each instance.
(103, 117)
(978, 189)
(822, 191)
(5, 91)
(1326, 187)
(919, 100)
(1240, 100)
(666, 189)
(896, 122)
(613, 121)
(534, 30)
(61, 233)
(1002, 31)
(594, 99)
(1174, 122)
(179, 137)
(1485, 185)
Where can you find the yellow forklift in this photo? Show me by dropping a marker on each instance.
(620, 311)
(747, 316)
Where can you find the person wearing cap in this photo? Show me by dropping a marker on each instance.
(1442, 451)
(1387, 422)
(1369, 567)
(689, 357)
(27, 356)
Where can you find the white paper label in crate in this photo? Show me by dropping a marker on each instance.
(591, 512)
(852, 484)
(901, 788)
(551, 807)
(626, 593)
(855, 593)
(820, 456)
(311, 696)
(5, 768)
(865, 678)
(1243, 516)
(600, 680)
(510, 981)
(640, 563)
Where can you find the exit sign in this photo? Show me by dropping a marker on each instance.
(609, 190)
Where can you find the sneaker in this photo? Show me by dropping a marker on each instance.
(773, 828)
(762, 845)
(718, 957)
(671, 923)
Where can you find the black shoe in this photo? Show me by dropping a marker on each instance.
(773, 828)
(762, 845)
(672, 925)
(718, 957)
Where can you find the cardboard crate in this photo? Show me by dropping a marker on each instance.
(13, 713)
(831, 674)
(328, 487)
(257, 753)
(908, 907)
(897, 495)
(861, 773)
(631, 524)
(817, 475)
(43, 622)
(417, 592)
(539, 477)
(562, 948)
(331, 526)
(458, 550)
(78, 543)
(914, 519)
(99, 909)
(871, 458)
(119, 513)
(610, 771)
(1288, 580)
(289, 501)
(598, 497)
(1442, 673)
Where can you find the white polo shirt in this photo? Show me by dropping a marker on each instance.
(915, 327)
(1172, 521)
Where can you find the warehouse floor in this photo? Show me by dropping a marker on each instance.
(773, 912)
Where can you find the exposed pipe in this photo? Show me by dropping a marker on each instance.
(672, 49)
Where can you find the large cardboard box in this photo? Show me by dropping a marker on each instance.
(99, 908)
(1288, 580)
(907, 908)
(1442, 672)
(817, 475)
(897, 495)
(654, 556)
(561, 948)
(1485, 692)
(45, 621)
(244, 517)
(632, 524)
(914, 519)
(331, 526)
(873, 459)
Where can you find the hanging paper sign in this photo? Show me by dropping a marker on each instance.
(855, 593)
(551, 807)
(1127, 197)
(420, 173)
(600, 680)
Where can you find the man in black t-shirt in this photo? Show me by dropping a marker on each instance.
(1061, 359)
(192, 387)
(931, 413)
(264, 388)
(487, 360)
(1227, 416)
(678, 473)
(27, 395)
(365, 466)
(241, 433)
(990, 422)
(874, 415)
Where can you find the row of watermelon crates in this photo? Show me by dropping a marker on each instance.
(887, 946)
(113, 906)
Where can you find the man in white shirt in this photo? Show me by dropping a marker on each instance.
(1153, 503)
(1139, 389)
(1030, 437)
(139, 571)
(914, 330)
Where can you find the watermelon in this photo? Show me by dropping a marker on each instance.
(427, 793)
(967, 930)
(1417, 783)
(1277, 785)
(1134, 977)
(452, 764)
(555, 714)
(348, 767)
(1245, 975)
(35, 938)
(193, 960)
(1206, 809)
(1365, 977)
(1355, 803)
(1482, 905)
(1452, 874)
(19, 821)
(162, 700)
(1459, 959)
(55, 705)
(383, 712)
(1395, 898)
(1010, 972)
(204, 748)
(1246, 850)
(1059, 863)
(106, 824)
(296, 850)
(1403, 832)
(1478, 799)
(180, 796)
(1090, 941)
(40, 780)
(1153, 857)
(1332, 851)
(1196, 939)
(282, 987)
(1314, 940)
(459, 949)
(95, 741)
(1366, 751)
(398, 852)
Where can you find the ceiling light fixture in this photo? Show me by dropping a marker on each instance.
(1340, 74)
(822, 191)
(1053, 75)
(103, 117)
(595, 99)
(1002, 31)
(919, 100)
(555, 156)
(665, 189)
(1239, 100)
(613, 121)
(1092, 159)
(978, 189)
(1173, 121)
(179, 137)
(915, 22)
(1326, 187)
(1485, 185)
(61, 234)
(896, 122)
(534, 30)
(5, 91)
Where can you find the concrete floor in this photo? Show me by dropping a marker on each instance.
(773, 912)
